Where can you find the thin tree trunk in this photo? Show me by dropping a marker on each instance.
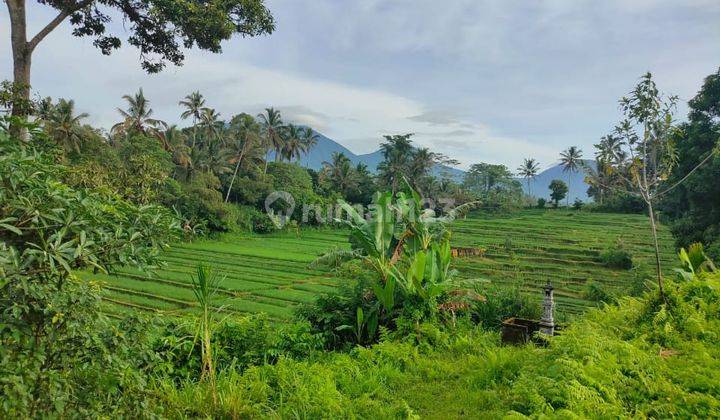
(569, 183)
(232, 180)
(657, 249)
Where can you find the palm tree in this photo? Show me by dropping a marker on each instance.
(339, 172)
(137, 117)
(247, 135)
(211, 126)
(571, 161)
(610, 149)
(397, 151)
(272, 130)
(64, 126)
(529, 169)
(309, 139)
(193, 103)
(174, 142)
(293, 146)
(422, 162)
(44, 109)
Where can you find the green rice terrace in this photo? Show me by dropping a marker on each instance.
(270, 273)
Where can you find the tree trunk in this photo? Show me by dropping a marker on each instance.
(232, 180)
(568, 193)
(22, 54)
(657, 249)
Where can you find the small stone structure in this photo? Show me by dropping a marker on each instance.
(467, 252)
(521, 331)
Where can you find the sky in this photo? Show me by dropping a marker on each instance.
(480, 81)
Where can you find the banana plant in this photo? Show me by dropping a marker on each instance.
(694, 262)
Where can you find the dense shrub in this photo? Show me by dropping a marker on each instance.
(596, 292)
(500, 303)
(617, 256)
(237, 344)
(541, 202)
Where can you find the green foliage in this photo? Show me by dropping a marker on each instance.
(597, 292)
(541, 202)
(238, 343)
(640, 358)
(617, 256)
(500, 303)
(694, 262)
(578, 204)
(558, 191)
(55, 347)
(693, 207)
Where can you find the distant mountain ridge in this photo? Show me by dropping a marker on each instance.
(326, 147)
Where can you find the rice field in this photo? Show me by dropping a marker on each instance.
(270, 273)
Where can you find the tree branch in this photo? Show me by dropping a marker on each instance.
(712, 153)
(55, 22)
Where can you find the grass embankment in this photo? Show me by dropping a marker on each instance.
(269, 273)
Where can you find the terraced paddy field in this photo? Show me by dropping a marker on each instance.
(530, 247)
(269, 273)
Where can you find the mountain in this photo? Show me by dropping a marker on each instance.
(325, 147)
(539, 184)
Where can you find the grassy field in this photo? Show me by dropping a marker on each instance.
(270, 273)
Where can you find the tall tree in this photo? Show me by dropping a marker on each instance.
(211, 126)
(272, 130)
(397, 153)
(158, 28)
(571, 160)
(193, 104)
(294, 145)
(694, 205)
(246, 135)
(137, 117)
(339, 173)
(528, 170)
(64, 126)
(646, 133)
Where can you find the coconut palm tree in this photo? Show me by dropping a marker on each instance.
(610, 149)
(294, 145)
(175, 143)
(63, 125)
(246, 134)
(339, 173)
(137, 117)
(309, 139)
(212, 127)
(529, 169)
(571, 161)
(193, 104)
(272, 130)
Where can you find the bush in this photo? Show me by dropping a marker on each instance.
(541, 203)
(253, 220)
(617, 257)
(578, 204)
(502, 303)
(597, 292)
(238, 343)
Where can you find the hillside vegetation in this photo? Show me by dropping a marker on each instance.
(271, 274)
(642, 358)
